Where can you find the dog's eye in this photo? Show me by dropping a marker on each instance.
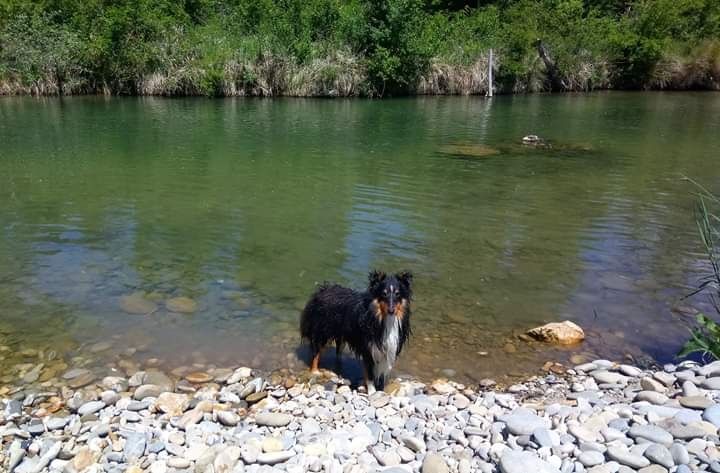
(397, 293)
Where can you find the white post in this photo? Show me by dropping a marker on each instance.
(490, 74)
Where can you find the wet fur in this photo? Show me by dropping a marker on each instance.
(362, 321)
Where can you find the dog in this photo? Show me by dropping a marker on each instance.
(374, 323)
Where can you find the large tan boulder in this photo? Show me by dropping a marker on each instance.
(560, 333)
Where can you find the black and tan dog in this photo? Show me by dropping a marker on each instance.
(375, 323)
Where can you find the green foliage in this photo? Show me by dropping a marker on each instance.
(91, 45)
(36, 49)
(705, 339)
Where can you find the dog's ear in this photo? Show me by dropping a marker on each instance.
(375, 278)
(405, 278)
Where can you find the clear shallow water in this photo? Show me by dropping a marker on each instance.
(243, 205)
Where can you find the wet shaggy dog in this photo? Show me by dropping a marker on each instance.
(375, 323)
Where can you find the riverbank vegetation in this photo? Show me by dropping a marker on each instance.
(355, 47)
(705, 337)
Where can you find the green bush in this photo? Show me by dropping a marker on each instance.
(197, 46)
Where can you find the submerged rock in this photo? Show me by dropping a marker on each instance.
(183, 305)
(561, 333)
(469, 149)
(136, 303)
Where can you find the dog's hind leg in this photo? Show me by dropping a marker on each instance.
(338, 349)
(315, 363)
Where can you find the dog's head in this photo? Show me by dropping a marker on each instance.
(391, 293)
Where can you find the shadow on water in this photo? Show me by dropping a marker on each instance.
(244, 205)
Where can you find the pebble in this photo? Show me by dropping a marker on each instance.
(523, 462)
(147, 390)
(651, 433)
(228, 418)
(434, 463)
(609, 377)
(652, 397)
(522, 422)
(712, 383)
(624, 457)
(414, 444)
(712, 415)
(591, 458)
(695, 402)
(604, 418)
(679, 454)
(273, 419)
(657, 453)
(274, 457)
(90, 407)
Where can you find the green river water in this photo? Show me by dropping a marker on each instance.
(243, 205)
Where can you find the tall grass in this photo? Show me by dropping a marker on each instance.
(705, 338)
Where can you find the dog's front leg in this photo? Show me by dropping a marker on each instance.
(369, 378)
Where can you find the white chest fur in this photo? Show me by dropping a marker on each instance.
(385, 354)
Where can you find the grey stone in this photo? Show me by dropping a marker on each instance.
(523, 462)
(683, 469)
(271, 458)
(710, 370)
(387, 457)
(542, 437)
(689, 389)
(249, 453)
(522, 421)
(434, 463)
(686, 432)
(712, 415)
(226, 460)
(650, 384)
(134, 446)
(273, 419)
(147, 390)
(695, 402)
(582, 433)
(413, 443)
(680, 454)
(666, 378)
(657, 453)
(75, 373)
(629, 370)
(90, 407)
(712, 383)
(591, 458)
(48, 455)
(651, 433)
(609, 377)
(15, 455)
(228, 418)
(57, 423)
(648, 469)
(624, 457)
(652, 397)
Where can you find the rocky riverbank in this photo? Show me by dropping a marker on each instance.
(599, 417)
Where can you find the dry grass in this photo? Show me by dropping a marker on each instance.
(700, 69)
(455, 79)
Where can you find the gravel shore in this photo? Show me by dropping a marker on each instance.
(599, 417)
